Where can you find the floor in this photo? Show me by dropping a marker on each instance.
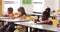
(17, 31)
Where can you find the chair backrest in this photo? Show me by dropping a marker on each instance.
(1, 24)
(58, 10)
(55, 21)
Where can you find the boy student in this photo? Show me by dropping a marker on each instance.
(9, 25)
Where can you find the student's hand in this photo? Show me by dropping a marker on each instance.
(23, 17)
(35, 21)
(12, 17)
(58, 25)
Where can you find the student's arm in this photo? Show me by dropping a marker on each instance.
(5, 15)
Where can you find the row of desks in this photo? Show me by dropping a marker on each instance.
(32, 24)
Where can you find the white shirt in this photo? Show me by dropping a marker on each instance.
(40, 19)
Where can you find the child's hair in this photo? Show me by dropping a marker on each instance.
(22, 10)
(10, 9)
(47, 12)
(47, 9)
(45, 15)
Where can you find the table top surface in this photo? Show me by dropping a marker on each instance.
(32, 24)
(7, 19)
(39, 26)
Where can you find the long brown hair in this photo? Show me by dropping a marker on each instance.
(22, 10)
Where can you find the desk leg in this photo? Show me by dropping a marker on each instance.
(38, 17)
(35, 30)
(26, 29)
(31, 29)
(40, 30)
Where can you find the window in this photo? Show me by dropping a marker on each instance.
(10, 3)
(38, 5)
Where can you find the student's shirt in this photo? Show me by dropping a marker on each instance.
(26, 17)
(11, 16)
(40, 19)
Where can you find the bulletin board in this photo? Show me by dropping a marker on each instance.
(27, 1)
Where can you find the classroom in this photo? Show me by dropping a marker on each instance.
(29, 15)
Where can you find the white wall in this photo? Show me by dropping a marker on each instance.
(49, 3)
(56, 4)
(59, 4)
(10, 3)
(28, 7)
(53, 4)
(38, 5)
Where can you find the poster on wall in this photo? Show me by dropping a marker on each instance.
(15, 4)
(38, 5)
(26, 1)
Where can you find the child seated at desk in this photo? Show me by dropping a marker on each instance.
(9, 25)
(44, 19)
(23, 15)
(45, 16)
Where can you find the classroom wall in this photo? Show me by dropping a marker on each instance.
(59, 4)
(54, 4)
(28, 7)
(49, 3)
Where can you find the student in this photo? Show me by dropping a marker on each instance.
(44, 19)
(45, 15)
(23, 15)
(9, 25)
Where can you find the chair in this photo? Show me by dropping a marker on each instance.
(55, 21)
(1, 23)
